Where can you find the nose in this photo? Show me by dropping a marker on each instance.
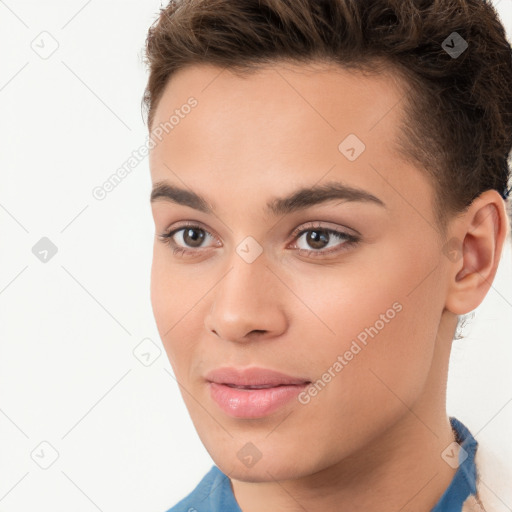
(247, 303)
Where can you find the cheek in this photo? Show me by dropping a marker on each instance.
(173, 296)
(372, 329)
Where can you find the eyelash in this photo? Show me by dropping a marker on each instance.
(178, 250)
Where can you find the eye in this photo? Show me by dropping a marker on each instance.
(189, 236)
(318, 241)
(312, 240)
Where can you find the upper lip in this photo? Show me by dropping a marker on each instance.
(252, 376)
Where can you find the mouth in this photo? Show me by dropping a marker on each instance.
(253, 392)
(263, 386)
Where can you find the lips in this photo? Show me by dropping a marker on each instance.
(254, 392)
(253, 378)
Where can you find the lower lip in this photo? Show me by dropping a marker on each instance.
(252, 403)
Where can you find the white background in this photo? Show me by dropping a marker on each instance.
(68, 375)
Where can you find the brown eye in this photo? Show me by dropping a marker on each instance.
(317, 239)
(188, 239)
(193, 237)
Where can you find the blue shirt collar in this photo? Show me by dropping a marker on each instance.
(463, 483)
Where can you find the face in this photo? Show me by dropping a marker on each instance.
(313, 253)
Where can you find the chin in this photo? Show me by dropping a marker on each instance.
(261, 472)
(273, 463)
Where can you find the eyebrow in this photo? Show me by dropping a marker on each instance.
(299, 199)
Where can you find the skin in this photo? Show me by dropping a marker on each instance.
(381, 423)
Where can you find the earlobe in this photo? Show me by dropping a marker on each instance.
(481, 232)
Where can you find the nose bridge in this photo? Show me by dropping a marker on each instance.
(246, 299)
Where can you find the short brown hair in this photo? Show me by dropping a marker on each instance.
(458, 110)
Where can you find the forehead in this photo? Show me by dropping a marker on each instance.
(282, 123)
(315, 88)
(280, 103)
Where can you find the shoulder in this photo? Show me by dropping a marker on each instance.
(208, 496)
(494, 491)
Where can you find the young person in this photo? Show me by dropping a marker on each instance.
(330, 183)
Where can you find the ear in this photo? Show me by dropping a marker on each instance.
(474, 251)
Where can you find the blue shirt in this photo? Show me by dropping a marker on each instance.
(214, 494)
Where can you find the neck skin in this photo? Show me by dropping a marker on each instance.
(401, 470)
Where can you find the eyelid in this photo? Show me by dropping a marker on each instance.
(167, 237)
(189, 224)
(347, 240)
(322, 225)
